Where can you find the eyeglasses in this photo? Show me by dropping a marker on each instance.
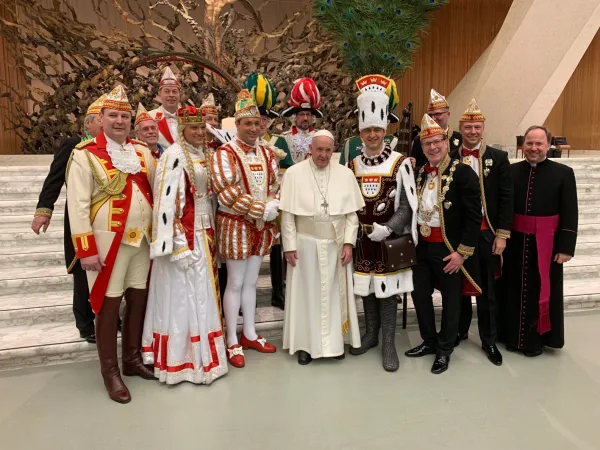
(433, 143)
(437, 115)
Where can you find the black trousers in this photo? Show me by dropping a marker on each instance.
(82, 309)
(487, 307)
(427, 274)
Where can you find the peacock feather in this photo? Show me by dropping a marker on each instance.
(376, 36)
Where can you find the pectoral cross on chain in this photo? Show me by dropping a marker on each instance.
(325, 206)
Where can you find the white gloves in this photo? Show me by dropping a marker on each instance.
(185, 263)
(271, 210)
(380, 232)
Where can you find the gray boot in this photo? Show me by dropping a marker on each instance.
(372, 321)
(389, 309)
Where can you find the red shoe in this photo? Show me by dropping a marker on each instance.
(235, 356)
(260, 345)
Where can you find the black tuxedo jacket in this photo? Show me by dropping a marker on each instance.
(496, 183)
(51, 191)
(461, 217)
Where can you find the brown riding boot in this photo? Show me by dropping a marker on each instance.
(106, 341)
(131, 336)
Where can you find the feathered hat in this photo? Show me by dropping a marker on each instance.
(473, 113)
(189, 115)
(264, 93)
(373, 102)
(169, 78)
(430, 128)
(117, 99)
(96, 107)
(245, 106)
(209, 106)
(142, 115)
(304, 97)
(436, 101)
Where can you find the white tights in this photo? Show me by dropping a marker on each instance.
(242, 276)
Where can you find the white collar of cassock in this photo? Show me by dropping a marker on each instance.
(315, 168)
(123, 156)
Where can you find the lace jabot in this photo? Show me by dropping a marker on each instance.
(123, 156)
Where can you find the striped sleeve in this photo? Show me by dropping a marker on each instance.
(227, 185)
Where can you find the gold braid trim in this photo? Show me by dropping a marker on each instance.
(113, 187)
(486, 216)
(503, 233)
(43, 212)
(444, 164)
(463, 250)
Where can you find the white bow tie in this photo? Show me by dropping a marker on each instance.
(169, 115)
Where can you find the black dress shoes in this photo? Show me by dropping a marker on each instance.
(342, 356)
(460, 337)
(440, 365)
(419, 351)
(533, 354)
(493, 354)
(304, 358)
(90, 337)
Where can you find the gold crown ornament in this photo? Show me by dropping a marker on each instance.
(189, 115)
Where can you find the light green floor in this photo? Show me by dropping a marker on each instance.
(547, 403)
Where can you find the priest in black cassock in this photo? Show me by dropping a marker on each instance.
(439, 110)
(543, 238)
(448, 218)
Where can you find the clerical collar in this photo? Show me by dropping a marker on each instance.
(378, 159)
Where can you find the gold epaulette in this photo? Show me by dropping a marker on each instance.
(137, 141)
(84, 144)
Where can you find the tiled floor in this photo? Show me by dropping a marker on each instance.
(550, 403)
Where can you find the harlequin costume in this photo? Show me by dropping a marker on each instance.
(165, 120)
(353, 146)
(245, 179)
(388, 188)
(495, 181)
(183, 337)
(304, 96)
(449, 219)
(82, 310)
(109, 196)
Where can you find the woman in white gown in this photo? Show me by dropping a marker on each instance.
(183, 336)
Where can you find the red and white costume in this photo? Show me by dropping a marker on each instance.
(183, 336)
(166, 121)
(245, 179)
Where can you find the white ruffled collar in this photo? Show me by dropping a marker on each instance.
(123, 156)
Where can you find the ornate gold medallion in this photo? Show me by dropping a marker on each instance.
(431, 185)
(425, 230)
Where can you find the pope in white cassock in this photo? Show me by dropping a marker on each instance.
(319, 226)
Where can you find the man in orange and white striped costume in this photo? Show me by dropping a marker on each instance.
(244, 176)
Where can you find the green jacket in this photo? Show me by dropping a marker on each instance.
(280, 143)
